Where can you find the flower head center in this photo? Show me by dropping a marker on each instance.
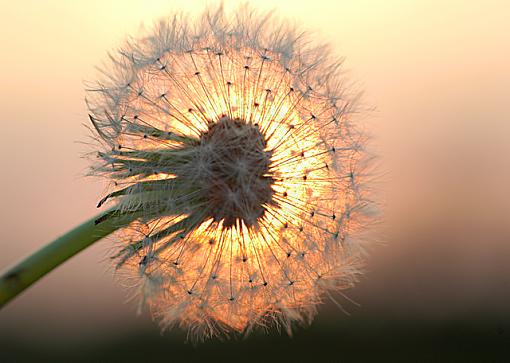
(236, 182)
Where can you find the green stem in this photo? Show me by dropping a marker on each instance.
(31, 269)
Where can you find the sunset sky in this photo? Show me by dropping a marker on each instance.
(436, 75)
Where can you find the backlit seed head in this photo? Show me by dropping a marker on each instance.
(233, 143)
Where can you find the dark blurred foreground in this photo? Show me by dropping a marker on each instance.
(351, 340)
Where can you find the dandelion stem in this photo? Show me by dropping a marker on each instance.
(16, 279)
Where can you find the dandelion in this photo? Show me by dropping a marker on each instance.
(231, 152)
(232, 139)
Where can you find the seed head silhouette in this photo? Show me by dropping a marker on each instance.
(232, 137)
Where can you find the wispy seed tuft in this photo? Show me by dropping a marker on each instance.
(233, 136)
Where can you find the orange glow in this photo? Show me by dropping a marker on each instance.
(200, 271)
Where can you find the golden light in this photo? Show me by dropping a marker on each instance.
(180, 118)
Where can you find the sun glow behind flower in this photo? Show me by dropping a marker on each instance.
(233, 138)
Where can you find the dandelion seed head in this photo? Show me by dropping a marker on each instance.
(233, 140)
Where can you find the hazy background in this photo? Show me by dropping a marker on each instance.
(438, 73)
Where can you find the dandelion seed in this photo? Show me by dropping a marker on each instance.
(233, 139)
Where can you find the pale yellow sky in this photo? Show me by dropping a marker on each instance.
(437, 72)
